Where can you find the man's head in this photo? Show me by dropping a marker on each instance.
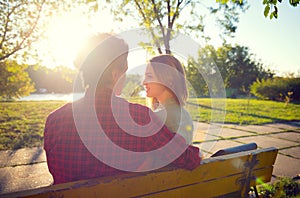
(102, 60)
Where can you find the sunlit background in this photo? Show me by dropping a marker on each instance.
(275, 42)
(66, 32)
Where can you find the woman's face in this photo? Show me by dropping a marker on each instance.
(152, 86)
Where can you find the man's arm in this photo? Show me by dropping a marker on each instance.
(165, 147)
(183, 155)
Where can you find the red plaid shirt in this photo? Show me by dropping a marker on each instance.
(69, 159)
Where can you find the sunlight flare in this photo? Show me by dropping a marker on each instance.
(64, 36)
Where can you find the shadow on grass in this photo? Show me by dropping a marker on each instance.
(27, 140)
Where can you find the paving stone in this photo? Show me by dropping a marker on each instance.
(290, 126)
(227, 132)
(22, 156)
(200, 126)
(286, 166)
(295, 152)
(291, 136)
(20, 178)
(201, 137)
(206, 132)
(224, 125)
(267, 141)
(207, 128)
(258, 129)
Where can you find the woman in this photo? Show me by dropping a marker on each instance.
(165, 84)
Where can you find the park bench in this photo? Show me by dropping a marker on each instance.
(227, 175)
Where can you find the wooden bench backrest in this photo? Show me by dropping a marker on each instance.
(218, 176)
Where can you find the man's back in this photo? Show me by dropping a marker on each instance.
(69, 159)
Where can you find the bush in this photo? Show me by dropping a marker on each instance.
(279, 89)
(283, 188)
(14, 81)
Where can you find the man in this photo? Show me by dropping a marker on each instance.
(102, 134)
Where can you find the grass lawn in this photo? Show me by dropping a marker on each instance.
(242, 111)
(22, 123)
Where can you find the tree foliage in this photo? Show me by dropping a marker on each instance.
(279, 89)
(23, 22)
(271, 7)
(240, 70)
(234, 63)
(19, 23)
(162, 19)
(203, 70)
(57, 80)
(15, 81)
(133, 85)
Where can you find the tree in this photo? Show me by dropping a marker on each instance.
(241, 70)
(14, 82)
(133, 85)
(162, 18)
(56, 80)
(271, 8)
(23, 22)
(234, 63)
(198, 86)
(19, 25)
(200, 71)
(281, 89)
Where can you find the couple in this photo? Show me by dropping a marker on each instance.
(103, 135)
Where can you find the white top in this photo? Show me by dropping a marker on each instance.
(176, 118)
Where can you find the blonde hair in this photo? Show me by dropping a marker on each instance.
(173, 79)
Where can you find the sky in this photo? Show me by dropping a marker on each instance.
(275, 43)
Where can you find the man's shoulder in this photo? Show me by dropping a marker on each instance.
(133, 106)
(61, 111)
(139, 107)
(136, 110)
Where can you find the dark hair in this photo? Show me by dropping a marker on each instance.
(98, 56)
(173, 79)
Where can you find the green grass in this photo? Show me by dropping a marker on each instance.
(22, 123)
(242, 111)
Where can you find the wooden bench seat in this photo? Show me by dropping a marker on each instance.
(223, 176)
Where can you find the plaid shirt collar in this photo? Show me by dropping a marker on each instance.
(99, 96)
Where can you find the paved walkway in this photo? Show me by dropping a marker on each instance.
(27, 168)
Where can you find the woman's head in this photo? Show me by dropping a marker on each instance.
(165, 77)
